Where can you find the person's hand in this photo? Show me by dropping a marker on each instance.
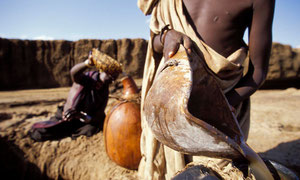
(172, 41)
(89, 62)
(70, 114)
(73, 114)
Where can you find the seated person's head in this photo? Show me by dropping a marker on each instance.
(106, 77)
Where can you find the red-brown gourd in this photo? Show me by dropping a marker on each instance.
(122, 128)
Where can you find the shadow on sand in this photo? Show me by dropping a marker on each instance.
(286, 154)
(13, 164)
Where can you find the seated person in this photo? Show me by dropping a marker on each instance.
(83, 113)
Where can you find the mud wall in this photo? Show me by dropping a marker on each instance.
(284, 67)
(45, 64)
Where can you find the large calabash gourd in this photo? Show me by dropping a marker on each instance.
(122, 128)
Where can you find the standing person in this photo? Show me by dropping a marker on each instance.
(83, 113)
(213, 29)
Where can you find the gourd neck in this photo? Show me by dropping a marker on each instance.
(129, 87)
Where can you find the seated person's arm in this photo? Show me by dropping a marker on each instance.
(260, 42)
(77, 74)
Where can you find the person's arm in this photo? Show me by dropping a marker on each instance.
(156, 44)
(168, 43)
(76, 72)
(260, 42)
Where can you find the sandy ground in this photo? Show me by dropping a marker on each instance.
(274, 134)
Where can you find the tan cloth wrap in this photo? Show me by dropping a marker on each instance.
(159, 161)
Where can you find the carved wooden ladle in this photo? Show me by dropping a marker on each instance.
(187, 111)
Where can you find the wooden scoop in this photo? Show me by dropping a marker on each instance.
(187, 111)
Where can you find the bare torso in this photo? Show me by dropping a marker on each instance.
(220, 23)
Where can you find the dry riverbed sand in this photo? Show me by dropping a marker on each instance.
(274, 134)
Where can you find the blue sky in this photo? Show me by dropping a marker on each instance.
(108, 19)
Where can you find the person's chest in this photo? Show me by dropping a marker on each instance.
(220, 23)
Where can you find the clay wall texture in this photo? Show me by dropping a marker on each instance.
(28, 64)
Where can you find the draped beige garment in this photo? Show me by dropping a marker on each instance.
(159, 161)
